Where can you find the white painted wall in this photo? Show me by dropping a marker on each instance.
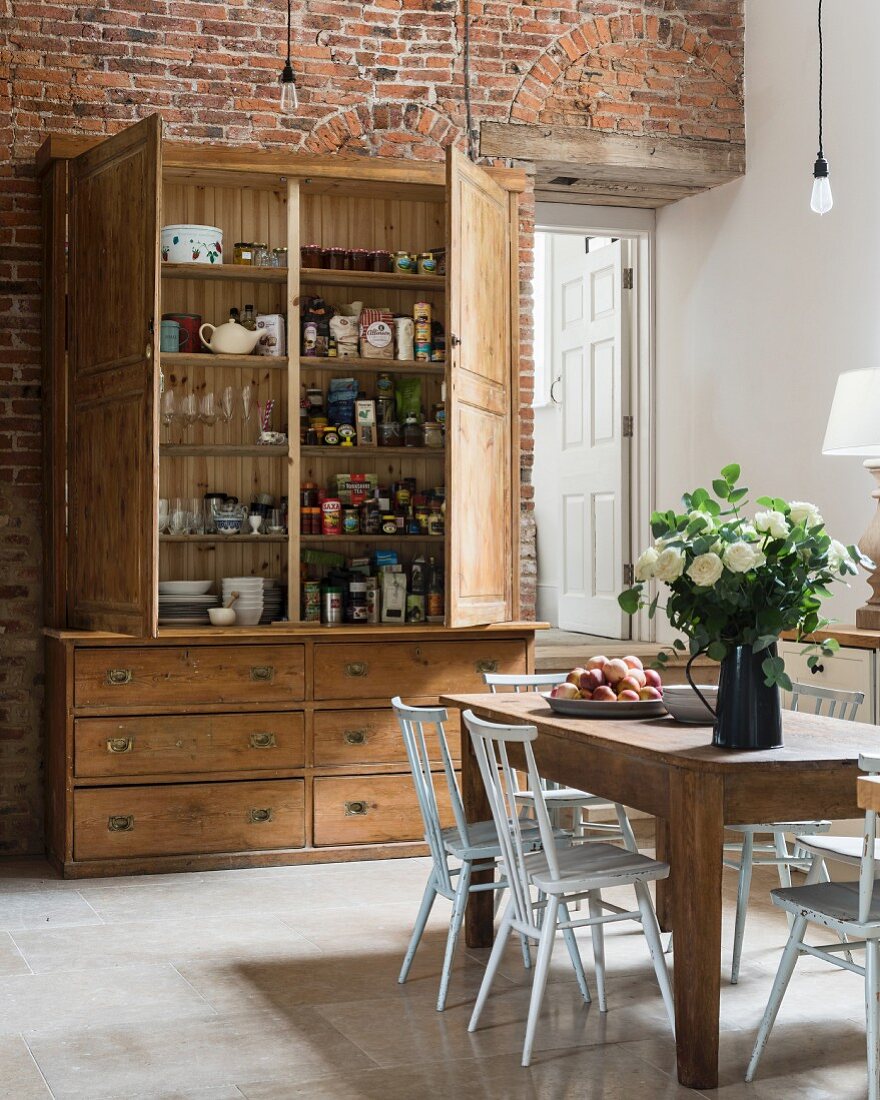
(760, 302)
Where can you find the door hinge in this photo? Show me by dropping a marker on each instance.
(627, 278)
(151, 327)
(628, 427)
(629, 576)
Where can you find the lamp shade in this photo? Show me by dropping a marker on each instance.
(854, 420)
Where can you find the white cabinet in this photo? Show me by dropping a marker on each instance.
(850, 669)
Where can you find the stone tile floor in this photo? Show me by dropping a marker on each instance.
(281, 982)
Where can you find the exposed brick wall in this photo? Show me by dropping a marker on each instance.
(382, 77)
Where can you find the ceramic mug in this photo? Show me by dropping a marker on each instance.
(169, 336)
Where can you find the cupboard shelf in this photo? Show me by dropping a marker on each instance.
(225, 450)
(324, 540)
(230, 273)
(178, 539)
(182, 360)
(381, 280)
(355, 363)
(372, 452)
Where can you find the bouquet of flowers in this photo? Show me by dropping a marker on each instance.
(735, 580)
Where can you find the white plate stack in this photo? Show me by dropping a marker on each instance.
(685, 705)
(274, 600)
(185, 602)
(249, 605)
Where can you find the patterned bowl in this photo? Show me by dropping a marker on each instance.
(192, 244)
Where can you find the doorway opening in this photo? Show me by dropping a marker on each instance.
(593, 407)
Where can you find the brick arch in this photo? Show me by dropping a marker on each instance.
(387, 130)
(635, 73)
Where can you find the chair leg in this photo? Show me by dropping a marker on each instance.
(542, 970)
(629, 838)
(872, 1016)
(780, 984)
(492, 965)
(742, 903)
(823, 876)
(780, 847)
(655, 948)
(574, 953)
(458, 908)
(421, 920)
(597, 934)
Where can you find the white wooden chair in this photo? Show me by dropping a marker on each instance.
(557, 797)
(753, 850)
(474, 845)
(559, 877)
(852, 910)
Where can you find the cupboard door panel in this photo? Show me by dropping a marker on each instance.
(481, 506)
(375, 809)
(113, 383)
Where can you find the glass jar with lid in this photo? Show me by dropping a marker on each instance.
(311, 255)
(335, 258)
(262, 255)
(243, 253)
(279, 257)
(380, 260)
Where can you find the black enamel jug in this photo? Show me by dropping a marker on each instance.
(748, 715)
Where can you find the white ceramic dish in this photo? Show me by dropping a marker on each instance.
(587, 708)
(248, 618)
(184, 588)
(188, 601)
(685, 705)
(192, 244)
(221, 616)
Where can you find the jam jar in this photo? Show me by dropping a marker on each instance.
(243, 253)
(380, 260)
(402, 263)
(359, 259)
(311, 255)
(336, 259)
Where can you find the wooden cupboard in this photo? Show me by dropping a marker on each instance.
(166, 741)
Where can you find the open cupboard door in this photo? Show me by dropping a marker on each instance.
(113, 383)
(481, 507)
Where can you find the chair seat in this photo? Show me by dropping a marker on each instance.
(843, 849)
(780, 827)
(593, 867)
(564, 796)
(484, 840)
(830, 903)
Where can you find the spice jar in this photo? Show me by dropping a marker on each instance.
(359, 258)
(402, 263)
(243, 253)
(388, 435)
(262, 255)
(311, 255)
(335, 258)
(432, 434)
(380, 260)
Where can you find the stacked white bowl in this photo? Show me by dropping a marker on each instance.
(685, 705)
(249, 605)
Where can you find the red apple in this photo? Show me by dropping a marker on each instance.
(591, 680)
(652, 676)
(565, 691)
(637, 674)
(628, 683)
(604, 694)
(628, 697)
(615, 670)
(586, 694)
(574, 677)
(597, 662)
(633, 662)
(649, 693)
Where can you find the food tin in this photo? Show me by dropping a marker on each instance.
(403, 263)
(422, 312)
(427, 263)
(331, 516)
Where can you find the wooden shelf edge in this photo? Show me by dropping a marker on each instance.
(177, 540)
(387, 366)
(330, 539)
(224, 272)
(207, 359)
(221, 450)
(373, 452)
(388, 280)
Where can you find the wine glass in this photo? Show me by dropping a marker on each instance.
(208, 410)
(179, 517)
(247, 395)
(189, 410)
(168, 412)
(227, 408)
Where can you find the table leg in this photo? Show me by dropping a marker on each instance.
(661, 847)
(480, 913)
(696, 834)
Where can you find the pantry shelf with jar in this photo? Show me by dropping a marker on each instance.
(324, 438)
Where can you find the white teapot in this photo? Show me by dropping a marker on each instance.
(230, 339)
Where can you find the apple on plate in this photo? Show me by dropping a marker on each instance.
(650, 694)
(591, 679)
(652, 678)
(628, 683)
(633, 662)
(599, 661)
(637, 674)
(566, 691)
(586, 694)
(628, 696)
(574, 677)
(615, 670)
(604, 694)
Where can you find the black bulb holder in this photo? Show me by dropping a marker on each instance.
(287, 74)
(820, 168)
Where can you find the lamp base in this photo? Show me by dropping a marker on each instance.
(868, 617)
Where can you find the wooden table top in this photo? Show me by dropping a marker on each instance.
(810, 740)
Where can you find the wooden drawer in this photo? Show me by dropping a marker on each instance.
(119, 822)
(352, 671)
(372, 809)
(351, 737)
(180, 744)
(177, 676)
(850, 669)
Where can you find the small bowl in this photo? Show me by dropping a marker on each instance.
(275, 530)
(222, 616)
(228, 525)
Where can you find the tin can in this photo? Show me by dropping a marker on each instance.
(331, 606)
(312, 601)
(422, 332)
(373, 602)
(350, 521)
(423, 352)
(422, 311)
(427, 263)
(331, 516)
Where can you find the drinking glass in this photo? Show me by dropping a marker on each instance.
(164, 515)
(208, 410)
(227, 409)
(189, 410)
(168, 412)
(195, 508)
(179, 517)
(247, 395)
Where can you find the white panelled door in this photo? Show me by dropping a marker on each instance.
(591, 367)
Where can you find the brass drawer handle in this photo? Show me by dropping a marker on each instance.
(120, 744)
(118, 675)
(262, 741)
(486, 666)
(257, 817)
(356, 668)
(358, 808)
(355, 737)
(262, 673)
(120, 823)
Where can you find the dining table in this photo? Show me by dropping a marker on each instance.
(693, 789)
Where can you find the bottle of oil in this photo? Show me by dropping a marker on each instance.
(434, 596)
(247, 318)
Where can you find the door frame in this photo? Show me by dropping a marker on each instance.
(639, 228)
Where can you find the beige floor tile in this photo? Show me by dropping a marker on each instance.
(11, 960)
(42, 905)
(20, 1079)
(255, 938)
(97, 998)
(163, 1059)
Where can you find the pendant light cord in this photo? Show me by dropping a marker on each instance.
(471, 144)
(821, 147)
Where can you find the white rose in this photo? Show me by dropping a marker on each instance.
(670, 565)
(837, 555)
(740, 557)
(705, 570)
(748, 532)
(772, 523)
(708, 520)
(646, 564)
(801, 511)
